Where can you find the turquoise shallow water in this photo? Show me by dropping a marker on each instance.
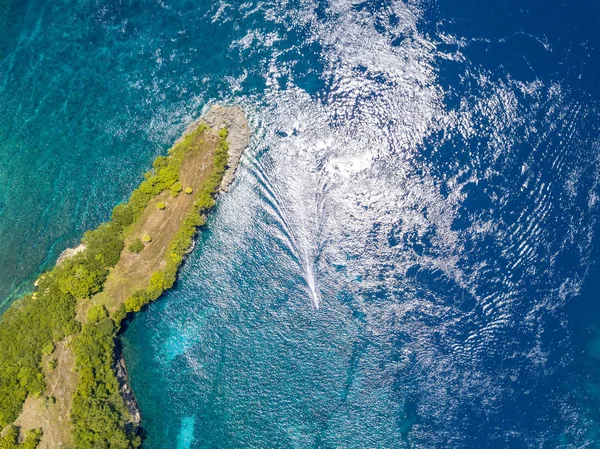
(407, 258)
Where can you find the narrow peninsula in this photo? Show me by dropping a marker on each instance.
(63, 381)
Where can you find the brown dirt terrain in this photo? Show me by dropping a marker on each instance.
(132, 272)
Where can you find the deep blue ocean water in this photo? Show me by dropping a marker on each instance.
(409, 255)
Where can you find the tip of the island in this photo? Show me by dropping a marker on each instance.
(234, 119)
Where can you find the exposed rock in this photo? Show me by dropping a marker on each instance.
(69, 252)
(238, 136)
(126, 393)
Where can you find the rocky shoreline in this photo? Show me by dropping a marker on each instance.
(70, 252)
(238, 137)
(125, 390)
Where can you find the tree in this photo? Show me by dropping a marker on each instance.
(136, 246)
(156, 286)
(81, 282)
(122, 215)
(11, 439)
(160, 162)
(106, 241)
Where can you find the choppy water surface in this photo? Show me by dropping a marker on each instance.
(407, 256)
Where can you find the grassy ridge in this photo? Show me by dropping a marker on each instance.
(203, 202)
(42, 319)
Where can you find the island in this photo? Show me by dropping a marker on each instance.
(63, 380)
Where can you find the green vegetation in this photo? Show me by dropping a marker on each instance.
(176, 188)
(46, 318)
(48, 349)
(122, 215)
(188, 190)
(160, 205)
(98, 411)
(11, 439)
(105, 243)
(136, 246)
(143, 297)
(49, 315)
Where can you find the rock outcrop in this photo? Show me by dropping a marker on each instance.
(238, 137)
(125, 389)
(69, 252)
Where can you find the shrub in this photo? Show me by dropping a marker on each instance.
(119, 315)
(163, 179)
(47, 319)
(176, 188)
(204, 201)
(188, 190)
(160, 205)
(157, 281)
(182, 240)
(136, 246)
(146, 239)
